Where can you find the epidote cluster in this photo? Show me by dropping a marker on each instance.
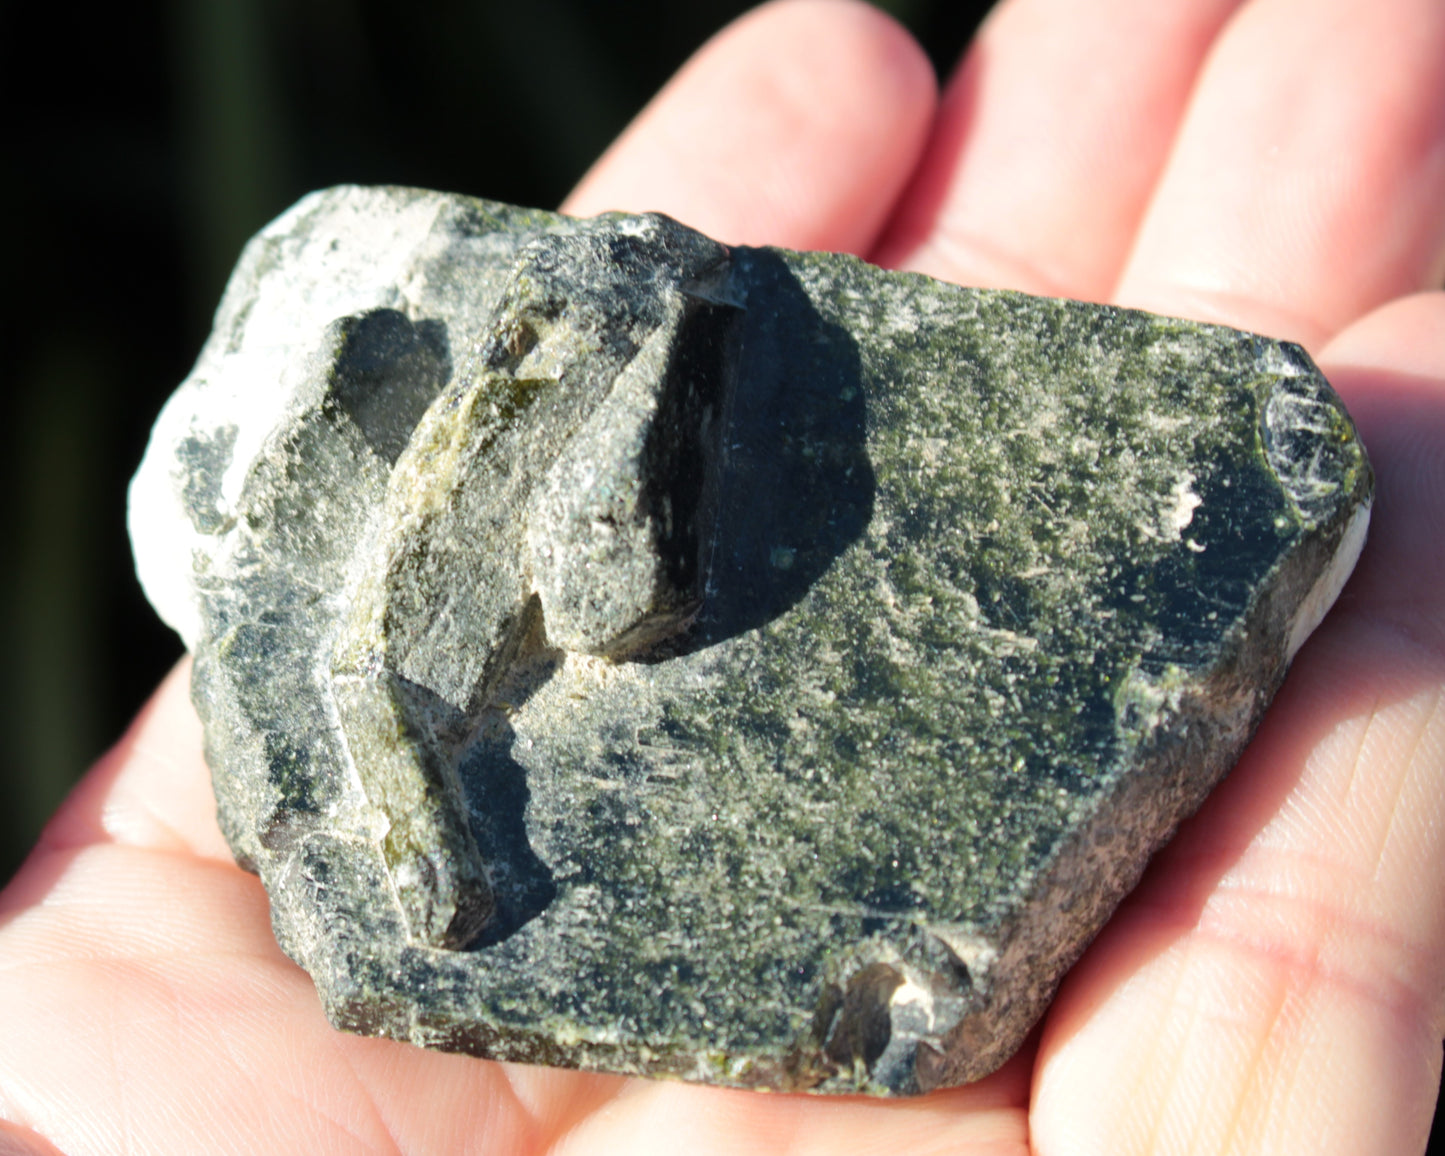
(624, 651)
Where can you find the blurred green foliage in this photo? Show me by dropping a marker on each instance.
(147, 142)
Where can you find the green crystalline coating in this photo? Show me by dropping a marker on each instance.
(996, 589)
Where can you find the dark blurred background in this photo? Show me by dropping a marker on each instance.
(147, 141)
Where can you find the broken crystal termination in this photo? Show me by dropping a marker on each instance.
(624, 652)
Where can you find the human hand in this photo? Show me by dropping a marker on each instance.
(1275, 984)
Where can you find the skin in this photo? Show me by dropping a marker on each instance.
(1275, 984)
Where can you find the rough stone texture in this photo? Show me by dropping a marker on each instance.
(624, 652)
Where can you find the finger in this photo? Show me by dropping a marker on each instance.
(986, 1118)
(1049, 140)
(797, 125)
(152, 789)
(1278, 981)
(148, 1008)
(1308, 182)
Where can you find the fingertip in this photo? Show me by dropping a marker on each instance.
(1405, 336)
(1304, 187)
(152, 789)
(799, 125)
(1049, 138)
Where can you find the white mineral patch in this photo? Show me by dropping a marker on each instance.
(909, 992)
(1185, 502)
(293, 280)
(1327, 587)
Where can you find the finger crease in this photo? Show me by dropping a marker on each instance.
(1399, 994)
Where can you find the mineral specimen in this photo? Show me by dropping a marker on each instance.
(621, 651)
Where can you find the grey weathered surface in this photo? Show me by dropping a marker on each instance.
(625, 652)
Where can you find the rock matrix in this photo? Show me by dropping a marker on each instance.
(623, 651)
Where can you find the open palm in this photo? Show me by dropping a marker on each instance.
(1277, 982)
